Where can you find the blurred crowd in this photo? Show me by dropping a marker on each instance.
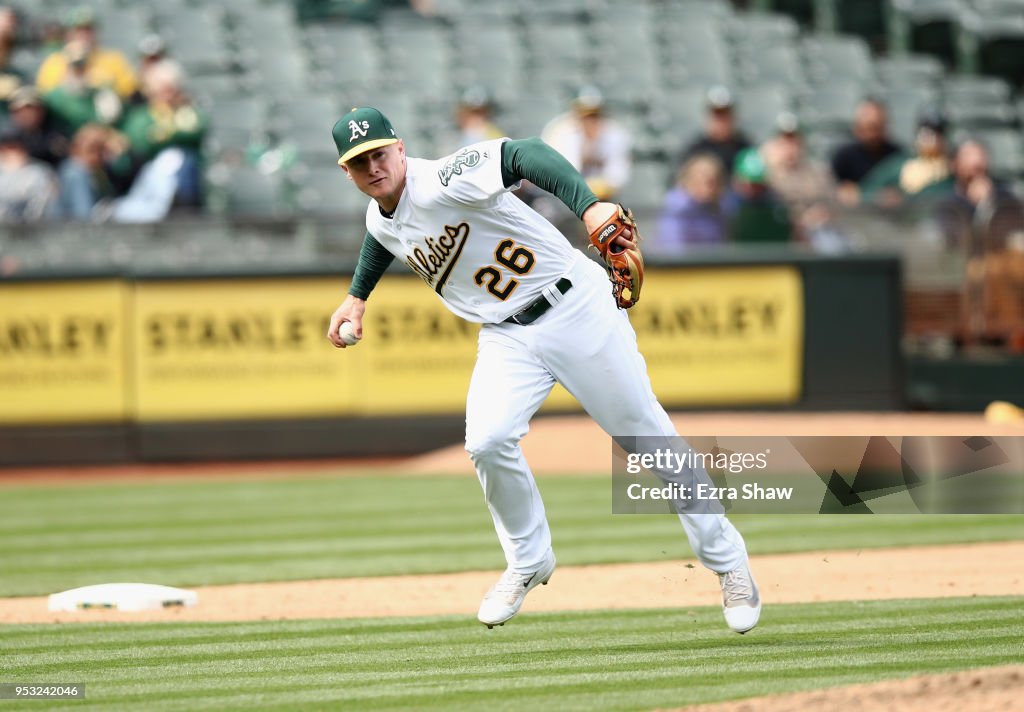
(94, 136)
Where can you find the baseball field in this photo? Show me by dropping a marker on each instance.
(355, 586)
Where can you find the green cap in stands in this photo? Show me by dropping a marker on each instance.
(361, 130)
(750, 166)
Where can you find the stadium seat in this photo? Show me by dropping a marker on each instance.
(250, 192)
(324, 190)
(645, 189)
(759, 108)
(1006, 151)
(776, 64)
(927, 26)
(830, 107)
(905, 105)
(995, 45)
(754, 30)
(864, 18)
(837, 58)
(805, 12)
(972, 102)
(909, 70)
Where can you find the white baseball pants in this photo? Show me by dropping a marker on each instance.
(588, 345)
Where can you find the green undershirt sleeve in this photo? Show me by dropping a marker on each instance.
(533, 160)
(374, 259)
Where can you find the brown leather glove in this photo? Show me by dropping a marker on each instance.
(625, 265)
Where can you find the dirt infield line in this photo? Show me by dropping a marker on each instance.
(985, 690)
(871, 574)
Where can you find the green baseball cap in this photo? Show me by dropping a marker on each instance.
(360, 130)
(750, 166)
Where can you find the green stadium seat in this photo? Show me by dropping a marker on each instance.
(325, 191)
(775, 64)
(909, 70)
(803, 11)
(830, 107)
(995, 45)
(758, 108)
(864, 18)
(754, 30)
(252, 193)
(928, 27)
(645, 189)
(829, 59)
(1006, 150)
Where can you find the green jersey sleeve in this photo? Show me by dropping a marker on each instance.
(374, 260)
(533, 160)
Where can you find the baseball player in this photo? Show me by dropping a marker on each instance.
(547, 315)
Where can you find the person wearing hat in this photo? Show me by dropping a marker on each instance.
(28, 188)
(152, 51)
(721, 137)
(547, 315)
(760, 217)
(104, 68)
(473, 118)
(28, 112)
(924, 174)
(75, 101)
(596, 145)
(805, 185)
(169, 120)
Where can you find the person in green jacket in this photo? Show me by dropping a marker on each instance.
(760, 217)
(168, 119)
(902, 177)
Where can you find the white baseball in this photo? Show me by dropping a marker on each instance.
(347, 334)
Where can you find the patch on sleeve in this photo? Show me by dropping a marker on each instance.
(466, 158)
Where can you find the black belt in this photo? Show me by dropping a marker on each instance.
(538, 307)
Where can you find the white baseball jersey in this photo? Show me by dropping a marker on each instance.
(481, 249)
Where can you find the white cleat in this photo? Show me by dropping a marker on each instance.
(741, 601)
(502, 602)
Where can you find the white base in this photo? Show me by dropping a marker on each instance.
(122, 597)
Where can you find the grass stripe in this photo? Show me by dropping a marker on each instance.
(202, 532)
(622, 660)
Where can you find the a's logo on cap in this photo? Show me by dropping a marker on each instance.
(358, 129)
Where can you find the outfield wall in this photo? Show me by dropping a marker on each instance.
(186, 366)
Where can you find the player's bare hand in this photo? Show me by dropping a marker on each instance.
(350, 310)
(597, 214)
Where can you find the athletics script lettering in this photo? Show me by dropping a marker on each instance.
(440, 256)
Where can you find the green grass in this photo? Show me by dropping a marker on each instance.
(623, 660)
(204, 532)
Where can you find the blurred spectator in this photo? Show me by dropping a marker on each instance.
(152, 51)
(45, 143)
(973, 185)
(760, 216)
(473, 117)
(597, 146)
(924, 174)
(169, 120)
(803, 184)
(721, 136)
(75, 102)
(28, 188)
(83, 176)
(104, 68)
(10, 77)
(696, 210)
(975, 196)
(871, 145)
